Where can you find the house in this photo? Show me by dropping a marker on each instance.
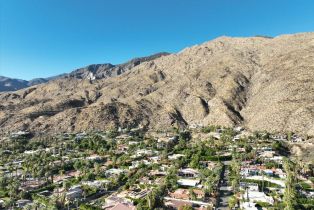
(114, 172)
(174, 203)
(22, 203)
(309, 194)
(266, 149)
(196, 125)
(238, 129)
(157, 173)
(278, 159)
(31, 184)
(268, 172)
(267, 154)
(164, 141)
(255, 196)
(122, 137)
(20, 134)
(80, 136)
(45, 193)
(279, 137)
(177, 204)
(248, 206)
(94, 158)
(114, 200)
(208, 164)
(96, 183)
(216, 135)
(155, 159)
(240, 150)
(137, 163)
(189, 182)
(133, 142)
(31, 152)
(236, 138)
(175, 156)
(60, 178)
(184, 194)
(296, 138)
(146, 181)
(122, 149)
(143, 152)
(138, 194)
(249, 186)
(188, 173)
(251, 170)
(280, 173)
(74, 192)
(122, 206)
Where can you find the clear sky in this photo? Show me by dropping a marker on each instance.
(40, 38)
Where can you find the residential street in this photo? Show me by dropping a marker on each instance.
(225, 190)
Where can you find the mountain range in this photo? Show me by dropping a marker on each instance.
(94, 71)
(260, 83)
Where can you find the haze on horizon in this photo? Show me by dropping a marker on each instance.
(46, 38)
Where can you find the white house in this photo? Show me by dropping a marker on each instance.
(114, 171)
(255, 196)
(188, 172)
(249, 186)
(189, 182)
(175, 156)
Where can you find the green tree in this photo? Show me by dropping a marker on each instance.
(192, 194)
(290, 193)
(171, 179)
(187, 207)
(232, 202)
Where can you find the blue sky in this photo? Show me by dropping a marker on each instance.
(40, 38)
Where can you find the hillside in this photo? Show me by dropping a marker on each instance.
(259, 82)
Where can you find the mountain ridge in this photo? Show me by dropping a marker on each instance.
(100, 70)
(257, 82)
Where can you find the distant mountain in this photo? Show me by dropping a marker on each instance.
(94, 71)
(9, 84)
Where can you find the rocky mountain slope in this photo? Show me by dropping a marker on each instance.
(261, 83)
(94, 71)
(101, 71)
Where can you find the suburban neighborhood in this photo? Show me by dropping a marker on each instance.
(202, 167)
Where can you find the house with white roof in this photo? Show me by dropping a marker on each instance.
(255, 196)
(114, 171)
(189, 182)
(188, 173)
(175, 156)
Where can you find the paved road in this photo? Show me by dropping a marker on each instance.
(225, 190)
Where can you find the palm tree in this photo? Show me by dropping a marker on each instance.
(13, 188)
(209, 185)
(151, 199)
(290, 192)
(232, 202)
